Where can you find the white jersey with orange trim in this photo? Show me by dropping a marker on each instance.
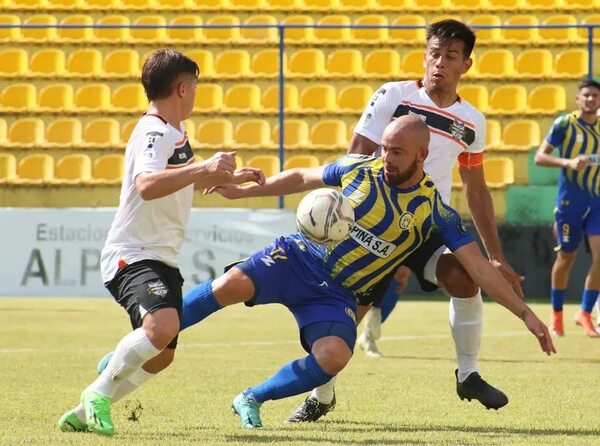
(457, 132)
(153, 229)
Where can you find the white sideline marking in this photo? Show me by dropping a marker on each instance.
(253, 343)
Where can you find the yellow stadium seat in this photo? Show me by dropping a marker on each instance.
(269, 164)
(330, 159)
(521, 134)
(205, 61)
(67, 5)
(571, 63)
(209, 98)
(354, 98)
(73, 169)
(307, 63)
(581, 4)
(301, 161)
(318, 98)
(92, 97)
(549, 5)
(242, 98)
(260, 35)
(64, 133)
(10, 34)
(498, 172)
(301, 34)
(182, 34)
(285, 5)
(233, 64)
(496, 64)
(333, 35)
(78, 35)
(534, 63)
(35, 169)
(8, 168)
(382, 63)
(3, 132)
(412, 64)
(476, 95)
(28, 4)
(56, 98)
(210, 5)
(367, 35)
(132, 5)
(329, 134)
(493, 134)
(108, 169)
(14, 62)
(521, 35)
(486, 35)
(214, 134)
(121, 63)
(126, 130)
(103, 133)
(469, 5)
(265, 63)
(295, 134)
(270, 99)
(43, 34)
(559, 35)
(18, 97)
(508, 99)
(47, 63)
(27, 132)
(149, 35)
(129, 98)
(432, 5)
(408, 35)
(358, 5)
(315, 5)
(344, 63)
(506, 5)
(547, 99)
(253, 134)
(251, 5)
(110, 34)
(104, 5)
(190, 131)
(583, 32)
(223, 34)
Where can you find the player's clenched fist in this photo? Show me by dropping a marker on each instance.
(221, 163)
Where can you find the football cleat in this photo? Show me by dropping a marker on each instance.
(97, 412)
(310, 410)
(70, 423)
(248, 410)
(368, 345)
(475, 388)
(584, 319)
(557, 323)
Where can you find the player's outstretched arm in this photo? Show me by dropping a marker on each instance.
(480, 204)
(287, 182)
(494, 284)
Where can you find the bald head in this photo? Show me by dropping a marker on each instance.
(405, 143)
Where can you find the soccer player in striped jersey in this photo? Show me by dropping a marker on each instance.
(576, 138)
(397, 210)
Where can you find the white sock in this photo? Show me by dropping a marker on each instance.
(466, 324)
(373, 323)
(131, 353)
(135, 380)
(324, 393)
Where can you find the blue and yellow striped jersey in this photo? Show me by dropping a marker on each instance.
(391, 223)
(573, 137)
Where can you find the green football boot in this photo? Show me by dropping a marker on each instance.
(70, 423)
(97, 412)
(248, 409)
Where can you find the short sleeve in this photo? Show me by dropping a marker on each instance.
(153, 152)
(378, 113)
(450, 225)
(478, 144)
(333, 172)
(557, 132)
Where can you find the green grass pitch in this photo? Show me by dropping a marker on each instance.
(49, 349)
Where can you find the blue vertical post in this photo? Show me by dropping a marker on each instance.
(590, 49)
(281, 102)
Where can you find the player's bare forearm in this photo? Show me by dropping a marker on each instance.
(362, 145)
(544, 157)
(287, 182)
(153, 185)
(482, 210)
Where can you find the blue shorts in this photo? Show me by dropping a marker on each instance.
(285, 273)
(574, 220)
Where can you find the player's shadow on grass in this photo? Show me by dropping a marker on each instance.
(501, 360)
(301, 438)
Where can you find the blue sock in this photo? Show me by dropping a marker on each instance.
(588, 299)
(557, 298)
(390, 299)
(198, 304)
(296, 377)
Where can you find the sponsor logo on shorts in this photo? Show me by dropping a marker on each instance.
(158, 288)
(351, 314)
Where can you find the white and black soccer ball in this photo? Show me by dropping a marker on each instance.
(325, 215)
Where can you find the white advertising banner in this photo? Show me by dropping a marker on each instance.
(56, 252)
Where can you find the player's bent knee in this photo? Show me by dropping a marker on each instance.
(161, 327)
(233, 287)
(454, 278)
(332, 353)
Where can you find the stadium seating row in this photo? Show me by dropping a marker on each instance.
(303, 64)
(328, 134)
(300, 5)
(245, 98)
(114, 29)
(108, 169)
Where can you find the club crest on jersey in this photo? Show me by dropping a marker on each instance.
(157, 288)
(458, 130)
(406, 220)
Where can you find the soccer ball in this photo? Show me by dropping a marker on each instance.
(325, 215)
